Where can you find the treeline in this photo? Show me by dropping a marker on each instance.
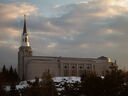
(7, 77)
(113, 83)
(45, 88)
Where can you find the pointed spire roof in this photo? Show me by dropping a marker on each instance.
(25, 38)
(25, 26)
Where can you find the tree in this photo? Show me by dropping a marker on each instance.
(4, 74)
(14, 91)
(44, 88)
(2, 82)
(114, 82)
(48, 86)
(4, 69)
(69, 88)
(91, 85)
(34, 89)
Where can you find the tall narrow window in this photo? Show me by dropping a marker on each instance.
(73, 69)
(89, 68)
(81, 69)
(66, 69)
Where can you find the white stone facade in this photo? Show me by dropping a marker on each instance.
(34, 66)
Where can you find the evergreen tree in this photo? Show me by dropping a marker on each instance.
(17, 79)
(14, 91)
(10, 75)
(33, 89)
(2, 82)
(44, 88)
(114, 83)
(91, 85)
(4, 74)
(48, 86)
(4, 69)
(11, 70)
(69, 89)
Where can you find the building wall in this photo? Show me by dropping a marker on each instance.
(36, 66)
(62, 66)
(23, 51)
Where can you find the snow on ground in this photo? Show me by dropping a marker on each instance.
(23, 84)
(68, 79)
(65, 79)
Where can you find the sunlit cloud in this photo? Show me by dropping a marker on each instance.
(108, 8)
(82, 29)
(3, 43)
(56, 6)
(14, 47)
(52, 45)
(110, 45)
(111, 32)
(27, 9)
(84, 46)
(121, 3)
(82, 2)
(13, 32)
(13, 11)
(105, 13)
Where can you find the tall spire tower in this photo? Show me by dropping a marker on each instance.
(24, 51)
(25, 39)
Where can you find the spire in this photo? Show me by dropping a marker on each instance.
(25, 40)
(25, 27)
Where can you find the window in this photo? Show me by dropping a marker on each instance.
(74, 66)
(66, 72)
(66, 66)
(81, 69)
(81, 72)
(73, 69)
(89, 68)
(66, 69)
(74, 73)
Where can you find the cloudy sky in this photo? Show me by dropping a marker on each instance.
(71, 28)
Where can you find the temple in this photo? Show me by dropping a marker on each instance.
(30, 66)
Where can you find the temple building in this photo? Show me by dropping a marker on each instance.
(30, 66)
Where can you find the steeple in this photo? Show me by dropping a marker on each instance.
(24, 51)
(25, 27)
(25, 39)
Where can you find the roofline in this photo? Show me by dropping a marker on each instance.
(61, 57)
